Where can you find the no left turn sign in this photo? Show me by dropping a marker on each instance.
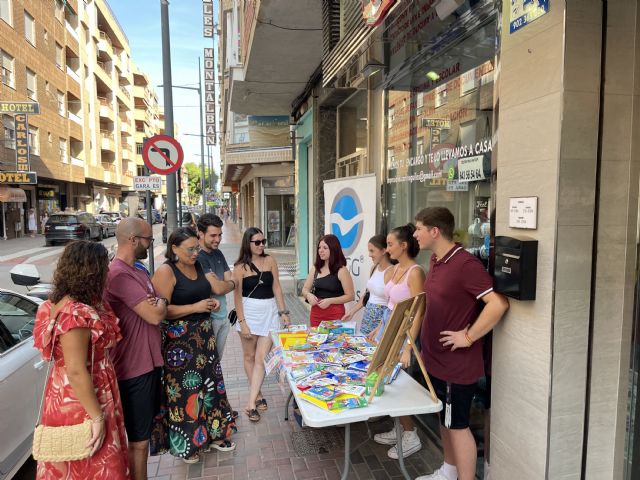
(162, 154)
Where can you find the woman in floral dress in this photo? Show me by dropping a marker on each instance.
(76, 329)
(198, 415)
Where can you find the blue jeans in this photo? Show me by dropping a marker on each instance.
(221, 329)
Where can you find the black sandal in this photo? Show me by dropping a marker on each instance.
(262, 404)
(253, 415)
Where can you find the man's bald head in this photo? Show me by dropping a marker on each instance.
(131, 227)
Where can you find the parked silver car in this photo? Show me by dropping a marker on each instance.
(22, 379)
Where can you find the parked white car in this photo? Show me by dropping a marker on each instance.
(22, 379)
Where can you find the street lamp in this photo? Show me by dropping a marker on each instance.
(199, 90)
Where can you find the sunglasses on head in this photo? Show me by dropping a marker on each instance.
(257, 243)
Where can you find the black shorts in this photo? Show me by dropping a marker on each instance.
(461, 398)
(140, 398)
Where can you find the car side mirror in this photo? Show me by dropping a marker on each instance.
(25, 274)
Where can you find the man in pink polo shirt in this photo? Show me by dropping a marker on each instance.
(137, 358)
(461, 309)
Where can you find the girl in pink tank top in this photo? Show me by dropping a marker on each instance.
(404, 281)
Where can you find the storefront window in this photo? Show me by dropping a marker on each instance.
(439, 119)
(439, 139)
(352, 135)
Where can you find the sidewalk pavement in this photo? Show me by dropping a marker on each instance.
(277, 449)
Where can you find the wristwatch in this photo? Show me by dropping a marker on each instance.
(166, 301)
(283, 312)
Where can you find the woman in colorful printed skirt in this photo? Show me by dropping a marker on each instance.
(376, 305)
(197, 415)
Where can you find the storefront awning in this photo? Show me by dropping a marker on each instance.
(8, 194)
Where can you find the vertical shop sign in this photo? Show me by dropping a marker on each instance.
(22, 142)
(354, 225)
(210, 96)
(523, 12)
(207, 17)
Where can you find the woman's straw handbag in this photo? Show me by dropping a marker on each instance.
(64, 443)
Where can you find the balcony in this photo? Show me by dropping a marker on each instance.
(237, 162)
(126, 152)
(105, 110)
(77, 162)
(104, 44)
(106, 141)
(75, 118)
(276, 54)
(72, 30)
(73, 74)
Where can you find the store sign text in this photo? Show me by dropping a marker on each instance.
(209, 96)
(471, 169)
(19, 107)
(207, 16)
(27, 178)
(22, 143)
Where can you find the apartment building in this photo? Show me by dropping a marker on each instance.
(255, 146)
(38, 51)
(73, 59)
(148, 122)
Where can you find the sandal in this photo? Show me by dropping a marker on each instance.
(234, 414)
(262, 404)
(253, 415)
(192, 459)
(225, 446)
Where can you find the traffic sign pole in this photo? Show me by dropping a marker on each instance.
(150, 220)
(168, 111)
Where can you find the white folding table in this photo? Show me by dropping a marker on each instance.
(404, 396)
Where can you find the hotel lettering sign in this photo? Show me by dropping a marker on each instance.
(207, 16)
(30, 178)
(22, 142)
(20, 107)
(210, 96)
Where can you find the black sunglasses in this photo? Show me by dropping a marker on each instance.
(257, 243)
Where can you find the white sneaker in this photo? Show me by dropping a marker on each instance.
(410, 444)
(386, 438)
(437, 475)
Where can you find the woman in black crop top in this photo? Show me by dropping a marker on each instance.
(191, 386)
(259, 304)
(329, 285)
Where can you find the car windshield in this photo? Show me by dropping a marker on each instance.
(18, 315)
(66, 219)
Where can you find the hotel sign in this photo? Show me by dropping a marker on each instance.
(22, 142)
(20, 107)
(207, 16)
(29, 178)
(210, 96)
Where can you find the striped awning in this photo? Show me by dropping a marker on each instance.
(8, 194)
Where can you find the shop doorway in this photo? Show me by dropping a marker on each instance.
(279, 220)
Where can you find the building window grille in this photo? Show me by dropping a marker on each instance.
(9, 132)
(29, 28)
(8, 77)
(32, 87)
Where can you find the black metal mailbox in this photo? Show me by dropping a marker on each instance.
(516, 264)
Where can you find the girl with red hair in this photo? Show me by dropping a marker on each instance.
(328, 285)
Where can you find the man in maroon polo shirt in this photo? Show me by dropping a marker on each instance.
(457, 288)
(137, 358)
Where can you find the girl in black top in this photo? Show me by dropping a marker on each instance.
(259, 304)
(198, 415)
(329, 285)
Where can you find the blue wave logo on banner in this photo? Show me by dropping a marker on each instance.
(347, 219)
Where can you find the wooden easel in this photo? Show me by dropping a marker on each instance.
(396, 332)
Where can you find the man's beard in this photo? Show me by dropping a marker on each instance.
(141, 253)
